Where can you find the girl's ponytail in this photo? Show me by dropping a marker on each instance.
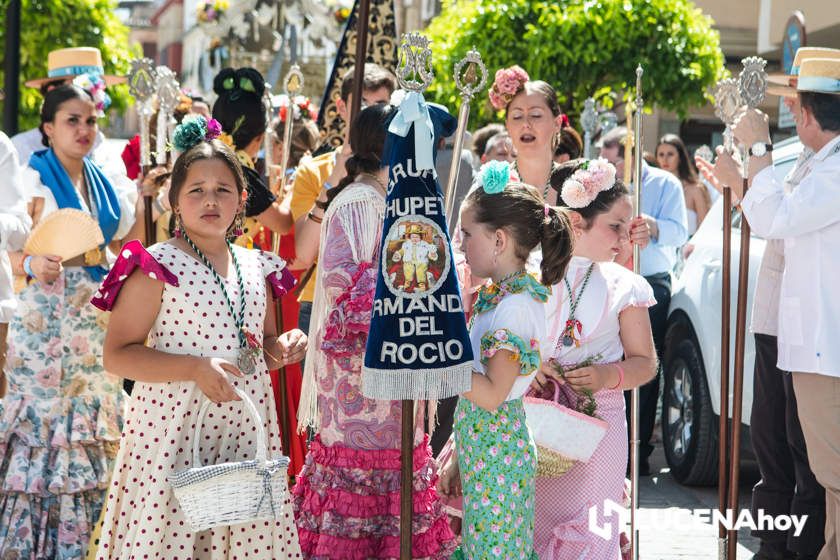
(557, 243)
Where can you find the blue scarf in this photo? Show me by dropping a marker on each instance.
(418, 346)
(100, 190)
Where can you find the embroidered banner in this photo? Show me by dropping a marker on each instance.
(418, 346)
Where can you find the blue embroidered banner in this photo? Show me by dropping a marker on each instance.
(418, 346)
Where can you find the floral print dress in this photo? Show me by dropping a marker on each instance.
(496, 455)
(60, 421)
(347, 498)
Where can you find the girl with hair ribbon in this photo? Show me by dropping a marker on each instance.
(494, 462)
(600, 345)
(206, 308)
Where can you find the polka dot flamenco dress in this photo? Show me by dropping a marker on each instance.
(142, 517)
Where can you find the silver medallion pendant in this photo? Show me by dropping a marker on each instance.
(568, 341)
(247, 360)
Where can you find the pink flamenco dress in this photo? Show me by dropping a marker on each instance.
(142, 516)
(347, 498)
(561, 528)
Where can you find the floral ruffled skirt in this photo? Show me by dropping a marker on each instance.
(498, 461)
(347, 505)
(59, 423)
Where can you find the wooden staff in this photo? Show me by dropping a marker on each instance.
(362, 24)
(752, 84)
(415, 58)
(634, 393)
(727, 105)
(292, 84)
(141, 83)
(471, 83)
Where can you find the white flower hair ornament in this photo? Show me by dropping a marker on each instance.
(591, 178)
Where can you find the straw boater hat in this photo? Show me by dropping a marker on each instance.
(819, 75)
(784, 85)
(69, 63)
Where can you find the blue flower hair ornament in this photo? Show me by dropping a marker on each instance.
(495, 175)
(194, 130)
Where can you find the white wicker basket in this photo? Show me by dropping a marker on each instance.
(231, 493)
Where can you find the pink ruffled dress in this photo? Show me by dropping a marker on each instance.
(347, 499)
(142, 517)
(561, 528)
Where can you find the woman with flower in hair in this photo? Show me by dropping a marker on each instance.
(60, 421)
(533, 120)
(192, 319)
(600, 344)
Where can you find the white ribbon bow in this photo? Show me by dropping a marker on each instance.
(413, 109)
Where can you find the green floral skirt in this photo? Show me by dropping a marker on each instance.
(498, 462)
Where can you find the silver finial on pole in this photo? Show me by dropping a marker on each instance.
(415, 61)
(141, 84)
(588, 120)
(292, 84)
(169, 96)
(470, 78)
(728, 104)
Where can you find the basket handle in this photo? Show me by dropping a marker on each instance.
(262, 448)
(534, 392)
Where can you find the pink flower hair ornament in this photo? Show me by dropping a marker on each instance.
(508, 82)
(592, 177)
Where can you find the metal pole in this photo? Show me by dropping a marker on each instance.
(752, 83)
(634, 394)
(12, 70)
(362, 25)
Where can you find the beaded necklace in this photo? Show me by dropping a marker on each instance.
(572, 324)
(515, 167)
(249, 346)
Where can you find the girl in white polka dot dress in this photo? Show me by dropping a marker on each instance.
(206, 309)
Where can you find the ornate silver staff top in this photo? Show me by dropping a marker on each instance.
(169, 95)
(292, 83)
(472, 82)
(415, 59)
(728, 103)
(752, 82)
(141, 84)
(469, 81)
(588, 120)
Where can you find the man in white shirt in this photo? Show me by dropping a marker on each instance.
(14, 228)
(807, 219)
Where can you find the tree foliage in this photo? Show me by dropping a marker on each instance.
(583, 48)
(47, 25)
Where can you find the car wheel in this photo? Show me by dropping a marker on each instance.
(689, 427)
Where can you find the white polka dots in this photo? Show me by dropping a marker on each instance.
(143, 519)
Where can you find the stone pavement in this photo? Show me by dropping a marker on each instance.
(693, 539)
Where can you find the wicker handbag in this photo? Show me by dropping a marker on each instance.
(231, 493)
(563, 436)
